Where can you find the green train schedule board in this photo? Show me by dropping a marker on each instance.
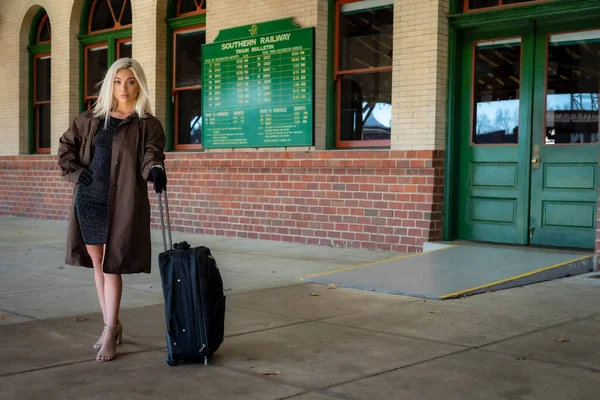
(258, 91)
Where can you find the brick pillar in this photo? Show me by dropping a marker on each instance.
(420, 74)
(419, 91)
(149, 42)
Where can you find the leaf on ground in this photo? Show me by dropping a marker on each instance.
(561, 340)
(269, 372)
(435, 312)
(77, 319)
(332, 286)
(315, 294)
(520, 358)
(2, 316)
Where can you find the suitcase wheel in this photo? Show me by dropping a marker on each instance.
(172, 362)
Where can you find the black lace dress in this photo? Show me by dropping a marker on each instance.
(91, 203)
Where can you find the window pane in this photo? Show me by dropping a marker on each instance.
(573, 87)
(189, 115)
(474, 4)
(188, 58)
(103, 18)
(188, 6)
(96, 68)
(496, 85)
(365, 38)
(127, 18)
(42, 79)
(45, 31)
(125, 50)
(43, 111)
(366, 106)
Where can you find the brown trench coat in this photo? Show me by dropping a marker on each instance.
(138, 144)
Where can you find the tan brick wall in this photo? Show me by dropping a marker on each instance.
(306, 13)
(420, 74)
(149, 32)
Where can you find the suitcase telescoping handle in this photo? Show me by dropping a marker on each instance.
(162, 220)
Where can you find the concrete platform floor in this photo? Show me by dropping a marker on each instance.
(537, 342)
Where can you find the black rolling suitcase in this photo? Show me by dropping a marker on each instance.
(194, 301)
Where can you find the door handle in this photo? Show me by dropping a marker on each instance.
(535, 159)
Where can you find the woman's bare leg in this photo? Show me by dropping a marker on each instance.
(96, 252)
(113, 288)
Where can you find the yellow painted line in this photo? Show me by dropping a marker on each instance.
(377, 262)
(512, 278)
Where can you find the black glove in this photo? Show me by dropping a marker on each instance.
(159, 178)
(86, 177)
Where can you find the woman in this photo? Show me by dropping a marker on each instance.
(110, 152)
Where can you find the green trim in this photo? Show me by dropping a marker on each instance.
(81, 78)
(184, 22)
(105, 36)
(523, 13)
(172, 25)
(31, 148)
(330, 121)
(85, 17)
(450, 219)
(35, 24)
(40, 48)
(263, 28)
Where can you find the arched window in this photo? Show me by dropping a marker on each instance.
(39, 90)
(187, 19)
(105, 37)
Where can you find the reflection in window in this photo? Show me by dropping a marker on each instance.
(365, 37)
(189, 117)
(97, 65)
(366, 109)
(125, 49)
(572, 88)
(496, 85)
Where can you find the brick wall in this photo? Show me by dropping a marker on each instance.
(384, 200)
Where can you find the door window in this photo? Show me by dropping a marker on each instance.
(496, 86)
(573, 84)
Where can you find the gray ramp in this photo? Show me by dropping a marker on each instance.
(460, 270)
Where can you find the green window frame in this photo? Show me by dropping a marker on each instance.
(105, 36)
(185, 17)
(40, 37)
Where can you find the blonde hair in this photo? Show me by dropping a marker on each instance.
(106, 100)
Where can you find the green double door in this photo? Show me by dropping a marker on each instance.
(529, 131)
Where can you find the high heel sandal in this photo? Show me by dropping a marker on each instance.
(117, 333)
(98, 344)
